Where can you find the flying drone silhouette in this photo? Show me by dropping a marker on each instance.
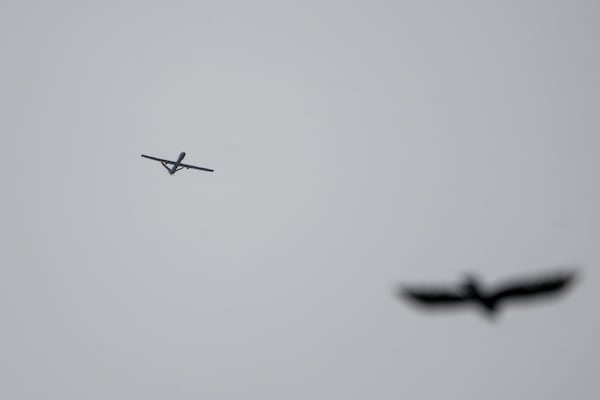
(472, 292)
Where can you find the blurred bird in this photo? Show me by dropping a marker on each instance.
(471, 291)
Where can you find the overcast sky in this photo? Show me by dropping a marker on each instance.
(357, 145)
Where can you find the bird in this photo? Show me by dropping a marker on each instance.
(489, 301)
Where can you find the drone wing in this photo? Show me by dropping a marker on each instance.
(159, 159)
(194, 167)
(181, 165)
(543, 286)
(433, 297)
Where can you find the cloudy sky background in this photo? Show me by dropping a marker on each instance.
(356, 145)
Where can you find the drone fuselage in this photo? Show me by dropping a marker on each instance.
(175, 166)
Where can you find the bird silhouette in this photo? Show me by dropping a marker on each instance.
(471, 291)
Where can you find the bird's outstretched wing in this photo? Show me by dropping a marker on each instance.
(534, 288)
(432, 297)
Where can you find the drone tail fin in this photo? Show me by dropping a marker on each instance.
(490, 308)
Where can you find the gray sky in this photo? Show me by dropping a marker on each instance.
(357, 144)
